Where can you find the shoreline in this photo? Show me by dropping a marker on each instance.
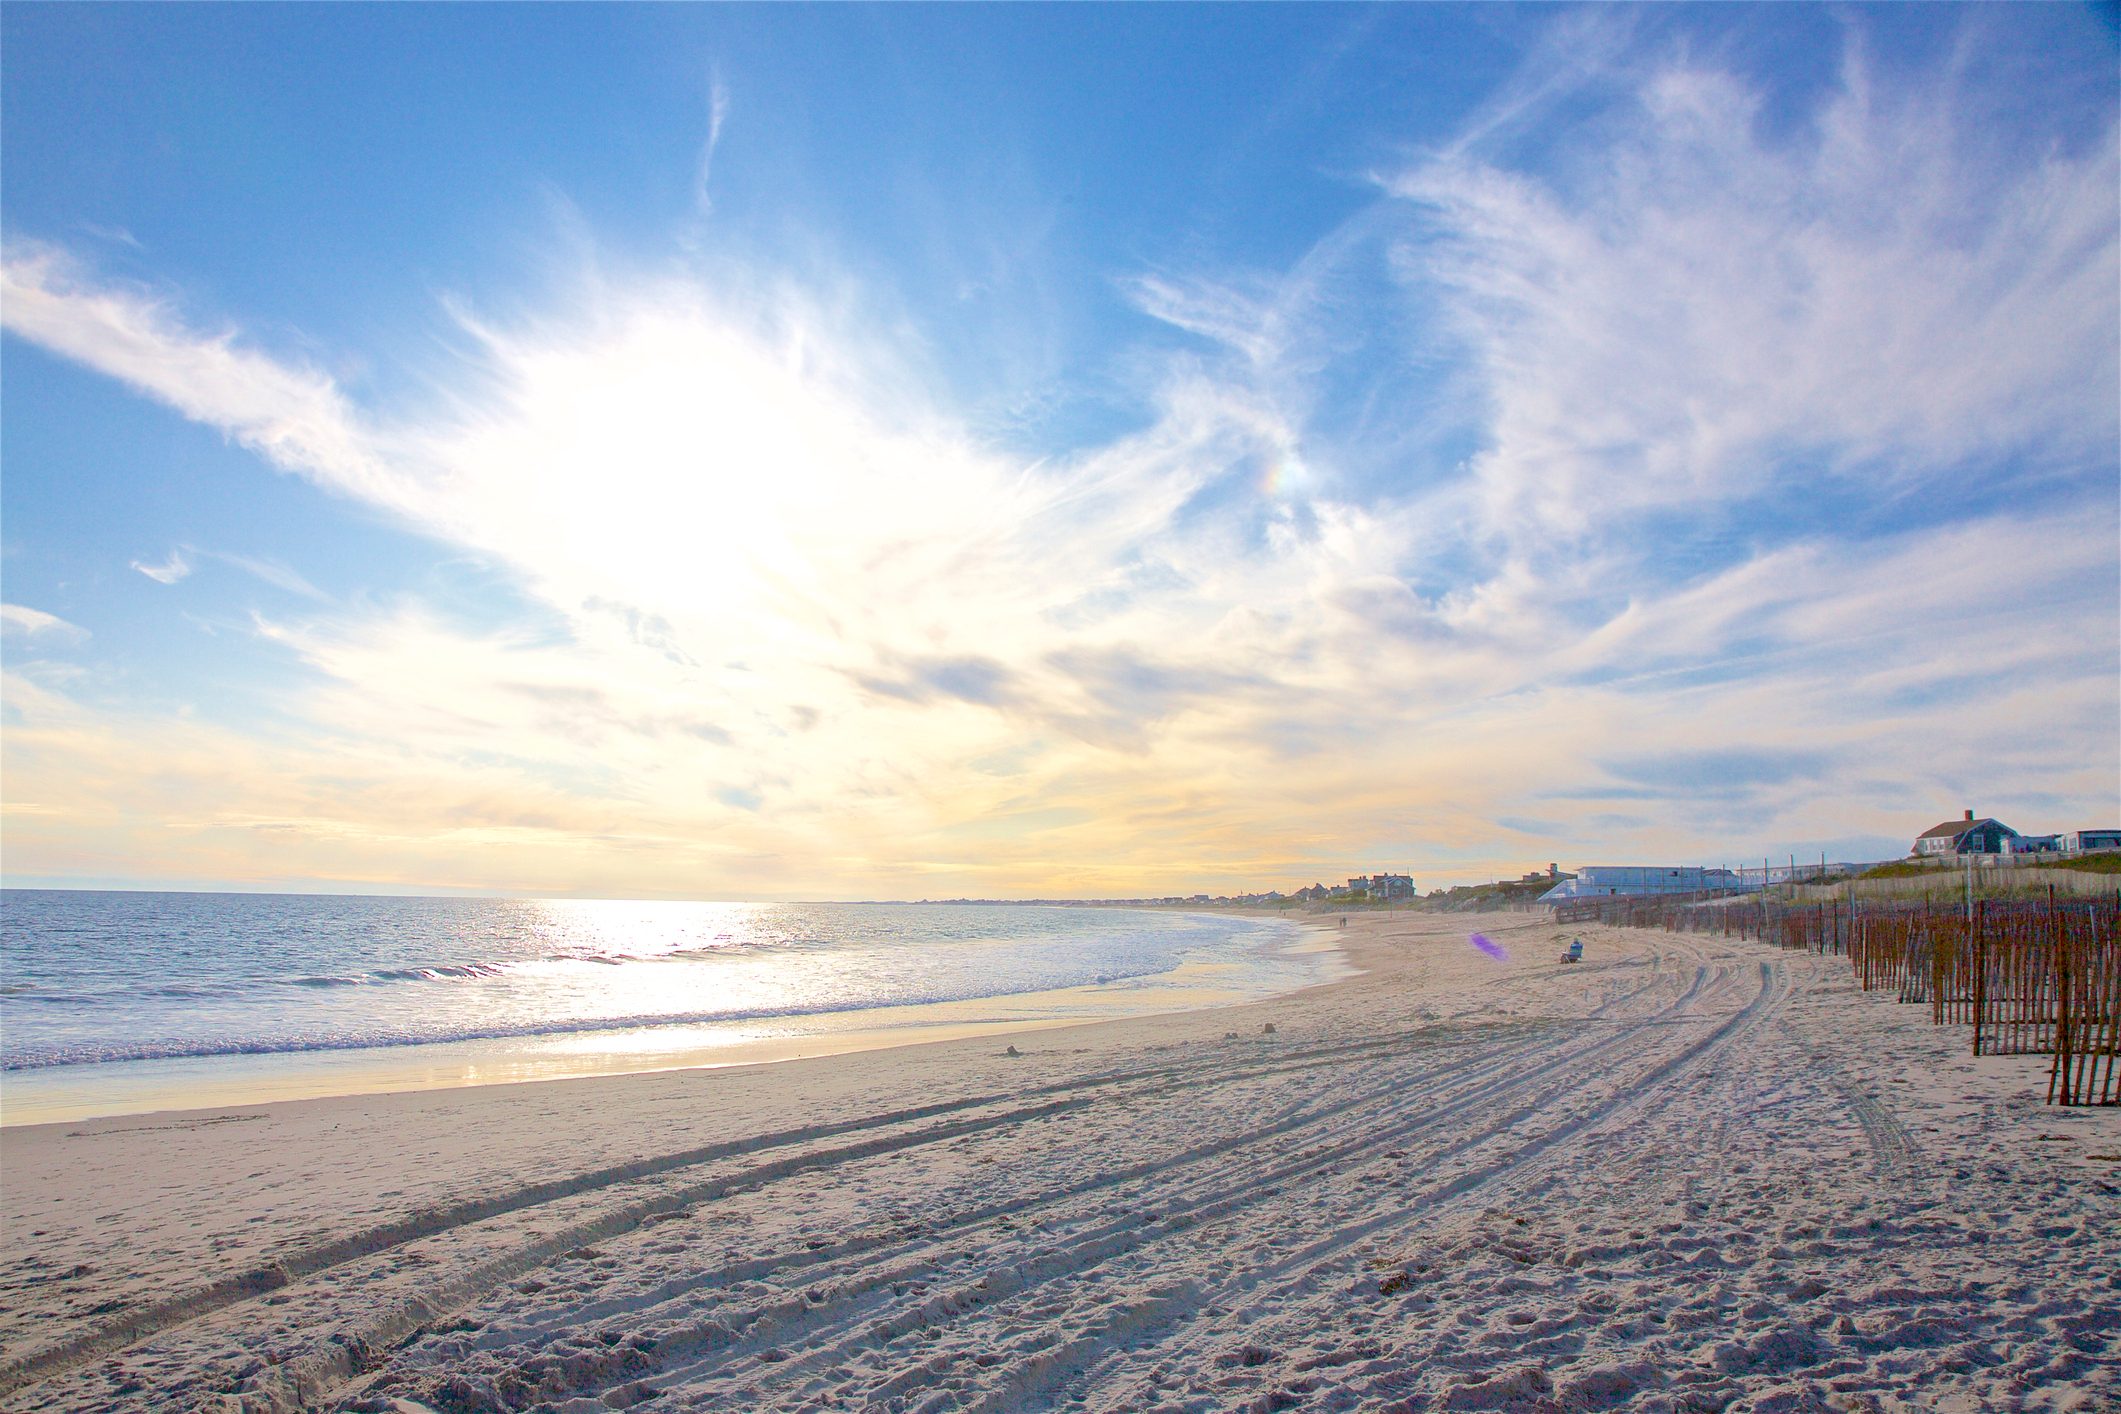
(118, 1089)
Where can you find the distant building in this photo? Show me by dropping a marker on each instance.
(1630, 880)
(2090, 841)
(1383, 886)
(2034, 844)
(1391, 886)
(1965, 836)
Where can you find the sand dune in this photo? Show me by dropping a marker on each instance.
(1688, 1174)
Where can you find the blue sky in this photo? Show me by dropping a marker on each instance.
(912, 451)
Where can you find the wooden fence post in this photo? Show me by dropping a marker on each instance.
(1980, 973)
(2061, 1073)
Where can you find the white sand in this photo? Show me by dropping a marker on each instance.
(1688, 1174)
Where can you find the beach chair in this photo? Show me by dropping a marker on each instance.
(1575, 952)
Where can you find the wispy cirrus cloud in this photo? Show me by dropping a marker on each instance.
(182, 560)
(1870, 304)
(20, 622)
(173, 568)
(295, 418)
(272, 572)
(717, 115)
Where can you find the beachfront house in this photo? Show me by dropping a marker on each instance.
(2089, 841)
(1965, 836)
(1390, 887)
(1384, 888)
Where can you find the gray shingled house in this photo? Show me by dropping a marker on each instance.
(1965, 836)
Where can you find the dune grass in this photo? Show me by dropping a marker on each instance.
(2108, 862)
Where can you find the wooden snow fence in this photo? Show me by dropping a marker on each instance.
(2087, 985)
(1817, 928)
(2031, 978)
(2089, 1033)
(1820, 928)
(1624, 910)
(2018, 1001)
(1892, 949)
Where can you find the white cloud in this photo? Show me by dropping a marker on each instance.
(1873, 295)
(172, 569)
(717, 114)
(182, 560)
(272, 572)
(114, 235)
(295, 418)
(19, 621)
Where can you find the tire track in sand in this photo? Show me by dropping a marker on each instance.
(32, 1367)
(1224, 1195)
(324, 1259)
(1261, 1288)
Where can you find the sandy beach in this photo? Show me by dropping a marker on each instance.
(1689, 1174)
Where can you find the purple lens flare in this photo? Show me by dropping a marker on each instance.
(1489, 946)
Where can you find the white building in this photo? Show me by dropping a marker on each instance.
(1638, 880)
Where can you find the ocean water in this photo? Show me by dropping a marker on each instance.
(98, 982)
